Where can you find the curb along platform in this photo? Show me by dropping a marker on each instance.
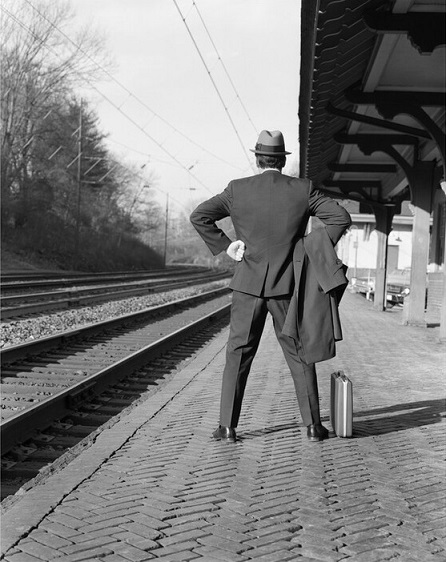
(155, 486)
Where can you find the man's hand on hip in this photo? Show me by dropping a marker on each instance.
(236, 250)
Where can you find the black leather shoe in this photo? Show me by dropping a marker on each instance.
(317, 432)
(224, 433)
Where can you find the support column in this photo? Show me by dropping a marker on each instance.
(443, 302)
(383, 217)
(415, 313)
(422, 186)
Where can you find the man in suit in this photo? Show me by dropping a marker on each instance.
(270, 212)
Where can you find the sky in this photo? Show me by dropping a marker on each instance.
(191, 135)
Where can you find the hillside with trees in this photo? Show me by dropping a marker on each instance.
(64, 196)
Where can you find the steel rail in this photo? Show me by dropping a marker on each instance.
(51, 274)
(21, 351)
(16, 428)
(71, 280)
(73, 297)
(132, 283)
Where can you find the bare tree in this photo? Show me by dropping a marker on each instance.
(57, 174)
(137, 202)
(41, 66)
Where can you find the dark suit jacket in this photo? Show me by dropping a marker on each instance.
(313, 318)
(270, 212)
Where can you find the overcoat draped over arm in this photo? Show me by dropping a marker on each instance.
(320, 280)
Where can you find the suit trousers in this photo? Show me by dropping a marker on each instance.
(248, 316)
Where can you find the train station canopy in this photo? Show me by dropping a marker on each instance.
(371, 72)
(372, 109)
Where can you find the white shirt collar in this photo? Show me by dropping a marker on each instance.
(269, 170)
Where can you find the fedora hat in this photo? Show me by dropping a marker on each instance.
(270, 143)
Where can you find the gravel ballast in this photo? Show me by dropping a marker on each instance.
(18, 331)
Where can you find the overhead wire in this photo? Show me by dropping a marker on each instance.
(184, 167)
(44, 43)
(142, 178)
(129, 92)
(225, 69)
(140, 152)
(214, 84)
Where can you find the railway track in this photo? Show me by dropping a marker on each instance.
(56, 278)
(58, 390)
(21, 304)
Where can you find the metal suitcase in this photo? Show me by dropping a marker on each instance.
(341, 404)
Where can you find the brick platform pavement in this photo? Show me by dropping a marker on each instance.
(156, 487)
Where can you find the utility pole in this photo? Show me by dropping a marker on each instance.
(79, 185)
(165, 229)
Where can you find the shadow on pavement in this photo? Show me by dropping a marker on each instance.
(379, 421)
(295, 425)
(398, 417)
